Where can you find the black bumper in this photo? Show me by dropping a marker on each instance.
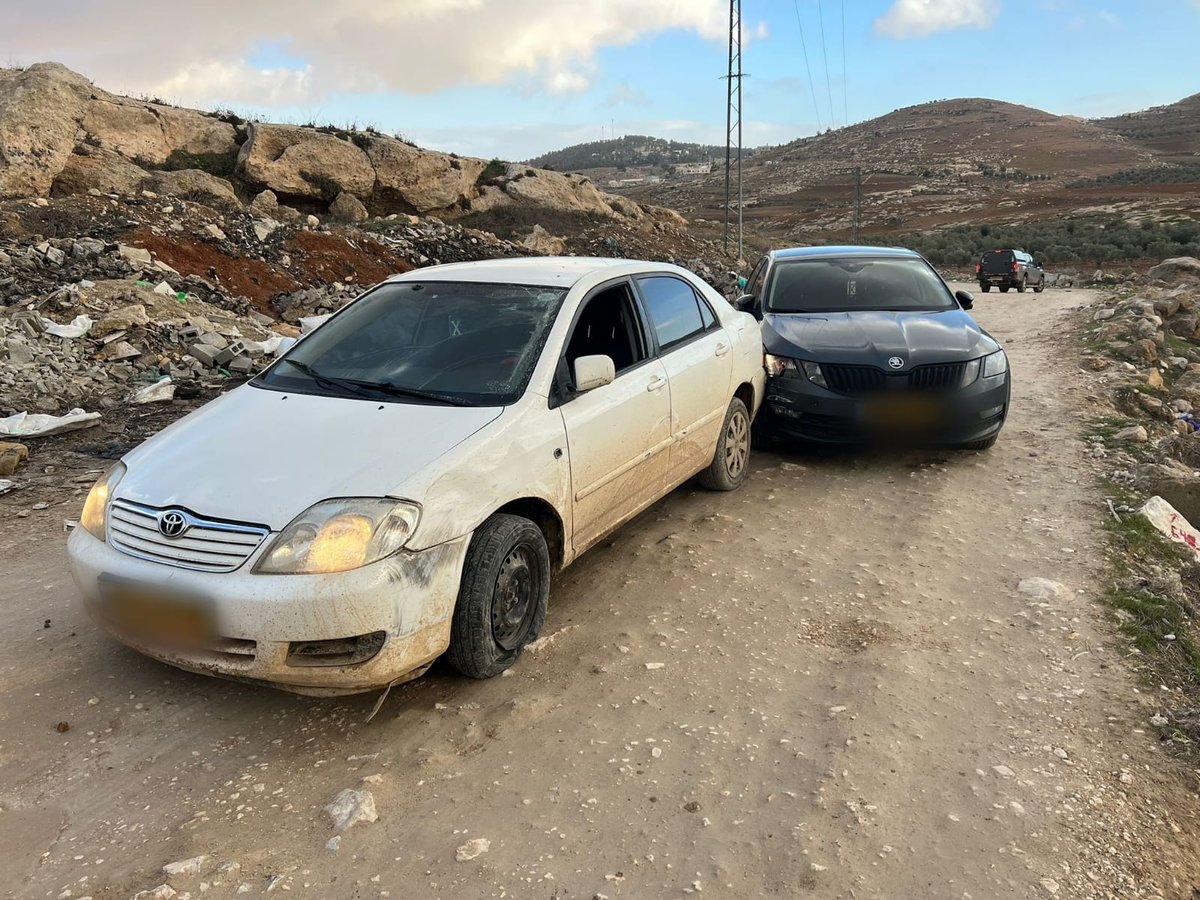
(797, 409)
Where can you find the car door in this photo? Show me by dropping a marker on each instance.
(695, 350)
(618, 435)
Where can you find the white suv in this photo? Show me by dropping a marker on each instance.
(405, 479)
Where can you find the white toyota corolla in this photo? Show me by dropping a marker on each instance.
(404, 480)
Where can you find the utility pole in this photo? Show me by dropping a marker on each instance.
(858, 204)
(733, 123)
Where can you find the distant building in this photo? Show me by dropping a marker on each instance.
(693, 168)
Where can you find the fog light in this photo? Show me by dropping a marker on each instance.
(991, 413)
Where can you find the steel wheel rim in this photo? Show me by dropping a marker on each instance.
(513, 601)
(737, 444)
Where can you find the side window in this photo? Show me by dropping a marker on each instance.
(608, 326)
(757, 277)
(673, 308)
(706, 313)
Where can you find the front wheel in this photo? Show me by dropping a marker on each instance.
(503, 597)
(731, 460)
(1040, 286)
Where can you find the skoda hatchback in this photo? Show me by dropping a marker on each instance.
(869, 344)
(404, 480)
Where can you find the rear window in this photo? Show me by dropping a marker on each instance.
(998, 261)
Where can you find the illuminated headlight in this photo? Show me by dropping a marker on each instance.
(996, 364)
(338, 535)
(95, 507)
(814, 373)
(779, 365)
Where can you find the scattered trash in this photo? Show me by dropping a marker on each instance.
(25, 424)
(76, 328)
(163, 389)
(6, 485)
(309, 323)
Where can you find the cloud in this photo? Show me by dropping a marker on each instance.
(408, 46)
(919, 18)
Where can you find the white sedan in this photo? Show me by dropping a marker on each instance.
(404, 480)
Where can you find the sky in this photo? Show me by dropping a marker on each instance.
(515, 78)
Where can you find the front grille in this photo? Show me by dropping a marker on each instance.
(937, 378)
(206, 545)
(853, 379)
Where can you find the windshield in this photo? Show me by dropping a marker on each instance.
(854, 284)
(453, 343)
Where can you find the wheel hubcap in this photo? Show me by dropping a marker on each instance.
(737, 444)
(512, 598)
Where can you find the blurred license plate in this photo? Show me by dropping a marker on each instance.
(148, 612)
(900, 413)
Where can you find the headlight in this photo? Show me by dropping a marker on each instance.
(337, 535)
(996, 364)
(814, 373)
(779, 365)
(970, 373)
(96, 505)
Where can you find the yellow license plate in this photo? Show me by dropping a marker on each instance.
(148, 613)
(902, 412)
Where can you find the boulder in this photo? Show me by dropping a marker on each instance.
(121, 320)
(1176, 269)
(266, 205)
(542, 241)
(553, 190)
(11, 456)
(100, 170)
(349, 209)
(40, 111)
(153, 134)
(303, 163)
(196, 185)
(421, 181)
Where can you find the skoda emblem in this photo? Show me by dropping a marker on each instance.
(895, 362)
(172, 524)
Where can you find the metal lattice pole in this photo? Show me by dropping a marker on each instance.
(733, 123)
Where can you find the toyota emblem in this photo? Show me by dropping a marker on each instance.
(896, 362)
(172, 524)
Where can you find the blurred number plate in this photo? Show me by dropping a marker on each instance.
(148, 612)
(900, 413)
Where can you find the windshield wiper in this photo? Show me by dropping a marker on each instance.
(327, 381)
(395, 390)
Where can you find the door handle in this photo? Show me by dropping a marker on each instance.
(722, 348)
(656, 383)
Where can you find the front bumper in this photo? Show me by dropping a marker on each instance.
(409, 597)
(797, 409)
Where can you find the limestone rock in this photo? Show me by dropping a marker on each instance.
(542, 241)
(350, 807)
(556, 191)
(421, 180)
(1176, 269)
(152, 133)
(121, 320)
(11, 456)
(40, 111)
(101, 170)
(348, 208)
(303, 163)
(196, 185)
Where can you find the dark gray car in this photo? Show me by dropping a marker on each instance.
(868, 343)
(1006, 269)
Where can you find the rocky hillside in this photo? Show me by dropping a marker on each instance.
(1172, 131)
(943, 163)
(61, 135)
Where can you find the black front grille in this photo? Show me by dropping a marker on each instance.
(936, 378)
(853, 379)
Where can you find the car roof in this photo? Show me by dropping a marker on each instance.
(830, 252)
(539, 271)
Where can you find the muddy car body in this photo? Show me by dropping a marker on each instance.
(370, 501)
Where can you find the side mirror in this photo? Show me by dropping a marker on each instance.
(747, 303)
(592, 372)
(965, 299)
(284, 346)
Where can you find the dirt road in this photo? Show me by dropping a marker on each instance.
(825, 685)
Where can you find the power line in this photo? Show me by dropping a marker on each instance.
(807, 68)
(825, 53)
(845, 80)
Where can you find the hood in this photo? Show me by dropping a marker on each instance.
(871, 337)
(263, 456)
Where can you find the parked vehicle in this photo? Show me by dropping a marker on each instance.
(406, 478)
(1006, 269)
(866, 343)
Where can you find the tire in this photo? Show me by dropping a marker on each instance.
(502, 600)
(981, 445)
(1021, 286)
(985, 288)
(731, 460)
(1040, 286)
(1004, 288)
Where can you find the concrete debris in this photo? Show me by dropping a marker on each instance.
(193, 866)
(350, 807)
(472, 849)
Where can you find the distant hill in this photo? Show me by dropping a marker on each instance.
(954, 162)
(1172, 131)
(637, 150)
